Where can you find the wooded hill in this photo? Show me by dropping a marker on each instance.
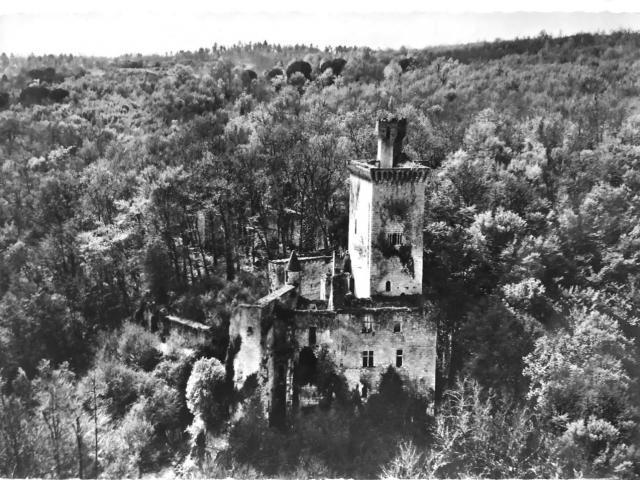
(171, 179)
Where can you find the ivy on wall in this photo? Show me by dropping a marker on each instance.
(403, 252)
(396, 210)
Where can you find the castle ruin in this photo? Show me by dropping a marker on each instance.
(364, 311)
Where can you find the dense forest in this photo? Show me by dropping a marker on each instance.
(170, 180)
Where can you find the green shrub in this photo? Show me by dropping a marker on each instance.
(138, 348)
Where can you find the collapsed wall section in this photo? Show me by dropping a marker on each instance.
(248, 333)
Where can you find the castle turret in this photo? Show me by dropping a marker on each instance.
(386, 208)
(391, 132)
(294, 270)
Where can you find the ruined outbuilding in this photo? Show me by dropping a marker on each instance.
(363, 310)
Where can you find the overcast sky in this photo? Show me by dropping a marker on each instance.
(115, 27)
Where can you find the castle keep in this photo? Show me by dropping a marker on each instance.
(363, 311)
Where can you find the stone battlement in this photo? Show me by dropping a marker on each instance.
(401, 174)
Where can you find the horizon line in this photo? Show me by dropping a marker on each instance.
(24, 34)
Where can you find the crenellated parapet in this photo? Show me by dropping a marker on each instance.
(409, 174)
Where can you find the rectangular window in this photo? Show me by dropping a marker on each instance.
(312, 336)
(367, 358)
(367, 324)
(394, 238)
(398, 358)
(397, 328)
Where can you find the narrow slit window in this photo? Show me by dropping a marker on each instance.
(249, 330)
(355, 228)
(367, 358)
(312, 336)
(398, 358)
(387, 286)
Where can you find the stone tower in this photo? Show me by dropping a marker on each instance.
(309, 310)
(386, 209)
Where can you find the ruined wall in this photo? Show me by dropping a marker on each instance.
(248, 330)
(272, 335)
(245, 327)
(253, 327)
(398, 208)
(360, 203)
(313, 275)
(276, 273)
(345, 338)
(195, 331)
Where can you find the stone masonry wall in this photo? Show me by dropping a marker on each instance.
(360, 203)
(342, 333)
(272, 335)
(247, 326)
(398, 207)
(314, 272)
